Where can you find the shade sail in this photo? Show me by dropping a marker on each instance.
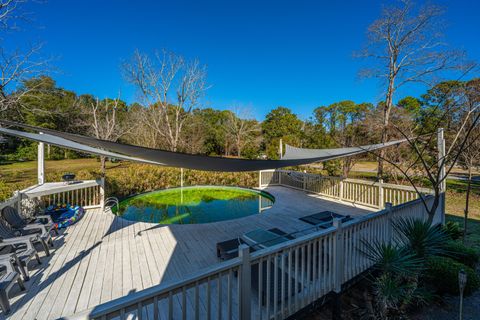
(302, 153)
(60, 142)
(182, 160)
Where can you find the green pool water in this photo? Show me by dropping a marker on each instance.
(190, 205)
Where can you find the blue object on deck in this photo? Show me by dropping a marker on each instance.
(64, 215)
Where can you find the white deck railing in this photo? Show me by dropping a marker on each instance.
(271, 283)
(362, 192)
(88, 194)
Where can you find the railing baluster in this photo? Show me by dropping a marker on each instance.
(219, 297)
(209, 303)
(229, 294)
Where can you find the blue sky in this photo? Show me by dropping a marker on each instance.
(259, 54)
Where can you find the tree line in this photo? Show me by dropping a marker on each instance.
(216, 132)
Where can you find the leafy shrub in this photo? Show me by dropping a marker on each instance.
(333, 167)
(453, 230)
(461, 253)
(442, 274)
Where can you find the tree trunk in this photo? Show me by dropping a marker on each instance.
(103, 170)
(239, 148)
(467, 200)
(386, 118)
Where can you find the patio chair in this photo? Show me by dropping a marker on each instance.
(11, 216)
(8, 276)
(20, 252)
(9, 235)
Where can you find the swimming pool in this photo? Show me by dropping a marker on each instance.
(199, 204)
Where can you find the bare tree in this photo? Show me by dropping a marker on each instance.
(470, 155)
(18, 64)
(239, 127)
(106, 122)
(171, 88)
(407, 47)
(434, 169)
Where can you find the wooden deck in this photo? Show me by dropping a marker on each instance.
(103, 257)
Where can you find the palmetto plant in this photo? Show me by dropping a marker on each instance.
(392, 259)
(420, 237)
(398, 266)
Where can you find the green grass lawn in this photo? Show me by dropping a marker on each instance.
(473, 229)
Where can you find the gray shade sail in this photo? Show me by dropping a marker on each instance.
(302, 153)
(60, 142)
(183, 160)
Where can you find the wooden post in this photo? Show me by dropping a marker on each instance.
(381, 195)
(245, 285)
(339, 267)
(41, 162)
(340, 192)
(442, 177)
(102, 193)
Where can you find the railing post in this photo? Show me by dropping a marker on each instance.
(340, 192)
(259, 178)
(102, 193)
(381, 196)
(304, 175)
(338, 266)
(388, 207)
(280, 177)
(245, 285)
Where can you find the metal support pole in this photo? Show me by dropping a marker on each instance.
(102, 193)
(41, 162)
(442, 177)
(245, 285)
(280, 149)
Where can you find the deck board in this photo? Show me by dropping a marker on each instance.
(103, 257)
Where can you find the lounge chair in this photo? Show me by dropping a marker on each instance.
(260, 239)
(11, 216)
(7, 234)
(324, 219)
(229, 249)
(8, 276)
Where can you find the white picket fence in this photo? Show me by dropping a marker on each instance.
(362, 192)
(272, 283)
